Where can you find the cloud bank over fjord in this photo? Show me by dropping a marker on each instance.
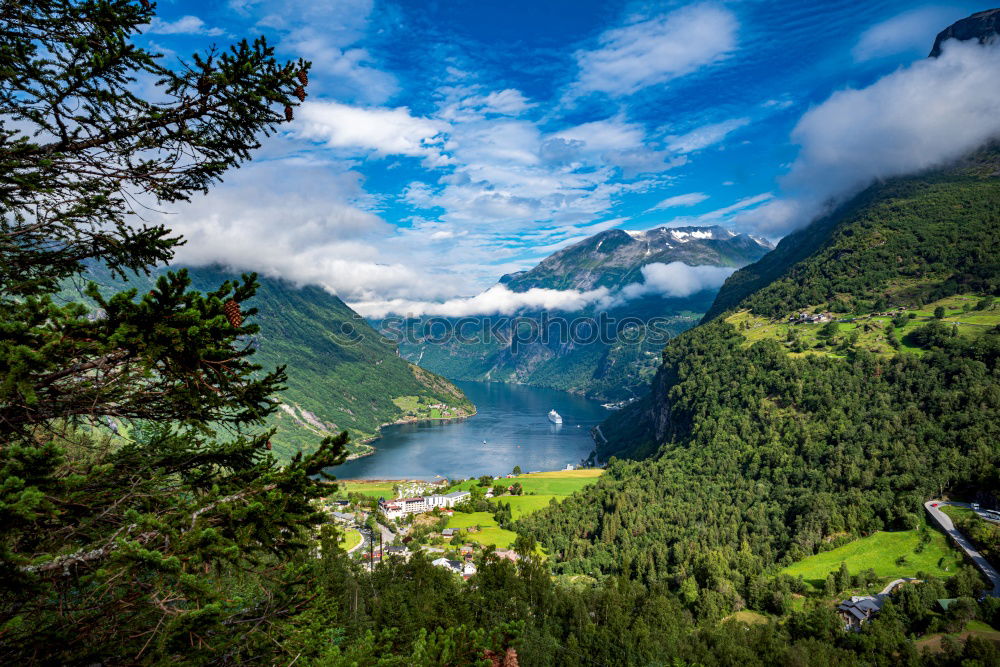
(919, 117)
(675, 279)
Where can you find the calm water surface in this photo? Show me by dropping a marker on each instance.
(513, 421)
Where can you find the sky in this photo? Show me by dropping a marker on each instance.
(445, 143)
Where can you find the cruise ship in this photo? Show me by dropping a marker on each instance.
(554, 417)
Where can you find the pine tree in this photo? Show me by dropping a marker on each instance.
(117, 548)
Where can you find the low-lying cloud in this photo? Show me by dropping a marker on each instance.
(919, 117)
(675, 279)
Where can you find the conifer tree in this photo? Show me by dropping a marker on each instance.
(141, 545)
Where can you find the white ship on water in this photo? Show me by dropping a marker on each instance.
(554, 417)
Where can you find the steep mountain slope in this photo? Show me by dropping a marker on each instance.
(614, 258)
(551, 351)
(342, 374)
(918, 248)
(759, 450)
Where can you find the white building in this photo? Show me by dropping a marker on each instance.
(458, 567)
(393, 509)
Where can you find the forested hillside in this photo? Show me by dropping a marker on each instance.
(342, 374)
(758, 454)
(899, 242)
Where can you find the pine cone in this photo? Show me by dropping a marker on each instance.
(300, 93)
(232, 310)
(288, 113)
(303, 77)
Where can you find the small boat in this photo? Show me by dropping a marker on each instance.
(484, 442)
(554, 417)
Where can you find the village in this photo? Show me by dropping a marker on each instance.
(453, 523)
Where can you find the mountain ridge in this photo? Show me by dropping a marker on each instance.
(614, 257)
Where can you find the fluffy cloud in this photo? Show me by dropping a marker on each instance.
(186, 25)
(497, 300)
(300, 222)
(910, 31)
(918, 117)
(381, 131)
(704, 136)
(675, 279)
(657, 50)
(689, 199)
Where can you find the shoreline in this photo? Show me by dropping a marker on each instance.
(368, 442)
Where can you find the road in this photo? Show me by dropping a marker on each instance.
(946, 524)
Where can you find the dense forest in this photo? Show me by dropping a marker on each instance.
(902, 241)
(754, 456)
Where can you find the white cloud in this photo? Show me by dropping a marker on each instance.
(604, 135)
(910, 31)
(327, 32)
(918, 117)
(497, 300)
(304, 224)
(689, 199)
(657, 50)
(675, 279)
(381, 131)
(705, 136)
(186, 25)
(508, 102)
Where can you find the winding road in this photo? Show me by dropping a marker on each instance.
(948, 526)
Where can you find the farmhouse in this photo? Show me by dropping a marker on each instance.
(458, 567)
(858, 610)
(810, 317)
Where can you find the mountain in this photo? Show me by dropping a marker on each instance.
(981, 26)
(836, 385)
(614, 258)
(342, 374)
(612, 367)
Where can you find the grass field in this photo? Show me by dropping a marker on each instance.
(871, 330)
(489, 533)
(747, 617)
(374, 489)
(558, 482)
(350, 539)
(957, 513)
(521, 505)
(972, 629)
(880, 552)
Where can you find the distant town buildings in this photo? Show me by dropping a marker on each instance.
(393, 509)
(466, 569)
(810, 317)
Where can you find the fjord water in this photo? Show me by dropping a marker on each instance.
(513, 421)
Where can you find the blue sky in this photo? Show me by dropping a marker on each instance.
(447, 142)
